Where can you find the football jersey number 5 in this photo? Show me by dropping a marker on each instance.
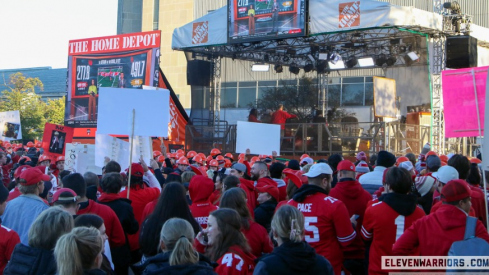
(309, 226)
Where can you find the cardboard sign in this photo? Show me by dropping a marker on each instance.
(80, 158)
(10, 128)
(117, 105)
(55, 139)
(260, 138)
(118, 150)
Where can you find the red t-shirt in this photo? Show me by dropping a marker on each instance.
(258, 239)
(383, 226)
(327, 226)
(8, 240)
(139, 198)
(111, 221)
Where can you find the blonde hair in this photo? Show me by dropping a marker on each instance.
(177, 235)
(288, 223)
(46, 229)
(78, 250)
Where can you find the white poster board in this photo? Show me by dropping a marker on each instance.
(116, 105)
(10, 128)
(385, 97)
(80, 158)
(260, 138)
(165, 102)
(118, 150)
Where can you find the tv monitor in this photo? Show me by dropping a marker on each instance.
(258, 20)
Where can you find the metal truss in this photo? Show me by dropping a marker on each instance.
(437, 66)
(216, 76)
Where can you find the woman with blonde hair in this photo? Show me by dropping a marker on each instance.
(38, 257)
(293, 255)
(80, 252)
(178, 256)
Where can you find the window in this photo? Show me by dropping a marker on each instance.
(228, 97)
(352, 94)
(246, 97)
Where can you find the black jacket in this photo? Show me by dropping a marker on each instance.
(160, 264)
(123, 209)
(293, 258)
(264, 213)
(27, 260)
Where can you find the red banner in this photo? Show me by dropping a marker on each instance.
(115, 43)
(54, 140)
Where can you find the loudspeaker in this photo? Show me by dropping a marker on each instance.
(199, 72)
(461, 52)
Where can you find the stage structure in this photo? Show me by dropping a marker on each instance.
(340, 35)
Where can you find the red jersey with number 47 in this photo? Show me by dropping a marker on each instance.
(327, 225)
(235, 262)
(383, 226)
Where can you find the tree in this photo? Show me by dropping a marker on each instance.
(34, 113)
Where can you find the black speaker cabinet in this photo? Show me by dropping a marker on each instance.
(199, 72)
(461, 52)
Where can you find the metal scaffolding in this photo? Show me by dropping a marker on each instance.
(437, 65)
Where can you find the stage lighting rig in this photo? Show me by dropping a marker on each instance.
(278, 68)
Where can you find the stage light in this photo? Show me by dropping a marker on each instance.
(453, 6)
(407, 60)
(352, 62)
(321, 66)
(334, 57)
(380, 60)
(323, 56)
(308, 68)
(413, 56)
(293, 69)
(260, 67)
(366, 62)
(278, 68)
(391, 61)
(337, 65)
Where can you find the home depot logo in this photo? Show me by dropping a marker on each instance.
(349, 14)
(200, 33)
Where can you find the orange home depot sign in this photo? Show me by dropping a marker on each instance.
(349, 14)
(200, 32)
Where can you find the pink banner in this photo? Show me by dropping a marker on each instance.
(459, 101)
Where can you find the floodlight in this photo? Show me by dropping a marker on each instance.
(278, 68)
(323, 56)
(337, 65)
(391, 61)
(380, 60)
(321, 66)
(334, 57)
(413, 56)
(308, 68)
(352, 62)
(366, 62)
(260, 67)
(293, 69)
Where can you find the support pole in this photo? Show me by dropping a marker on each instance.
(130, 153)
(485, 147)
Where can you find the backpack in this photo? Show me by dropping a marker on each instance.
(470, 245)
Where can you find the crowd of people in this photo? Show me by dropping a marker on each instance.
(188, 213)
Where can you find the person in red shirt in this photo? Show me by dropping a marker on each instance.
(256, 235)
(327, 221)
(8, 238)
(226, 245)
(253, 116)
(200, 188)
(140, 194)
(387, 219)
(280, 117)
(351, 193)
(239, 170)
(434, 234)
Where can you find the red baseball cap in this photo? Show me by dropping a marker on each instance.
(455, 190)
(32, 176)
(21, 169)
(65, 195)
(346, 165)
(137, 170)
(296, 176)
(270, 189)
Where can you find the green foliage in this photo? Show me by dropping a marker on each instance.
(34, 112)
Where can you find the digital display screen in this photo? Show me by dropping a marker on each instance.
(257, 20)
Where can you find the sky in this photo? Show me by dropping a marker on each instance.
(35, 33)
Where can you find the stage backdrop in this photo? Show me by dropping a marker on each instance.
(121, 61)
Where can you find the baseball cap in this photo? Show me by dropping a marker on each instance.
(297, 177)
(270, 189)
(21, 169)
(455, 190)
(318, 169)
(346, 165)
(65, 195)
(424, 184)
(137, 170)
(32, 176)
(433, 162)
(239, 167)
(446, 174)
(406, 165)
(307, 160)
(362, 167)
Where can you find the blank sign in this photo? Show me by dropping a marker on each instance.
(385, 97)
(260, 138)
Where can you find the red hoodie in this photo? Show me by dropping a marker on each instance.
(280, 117)
(200, 189)
(478, 203)
(355, 198)
(258, 239)
(249, 187)
(434, 234)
